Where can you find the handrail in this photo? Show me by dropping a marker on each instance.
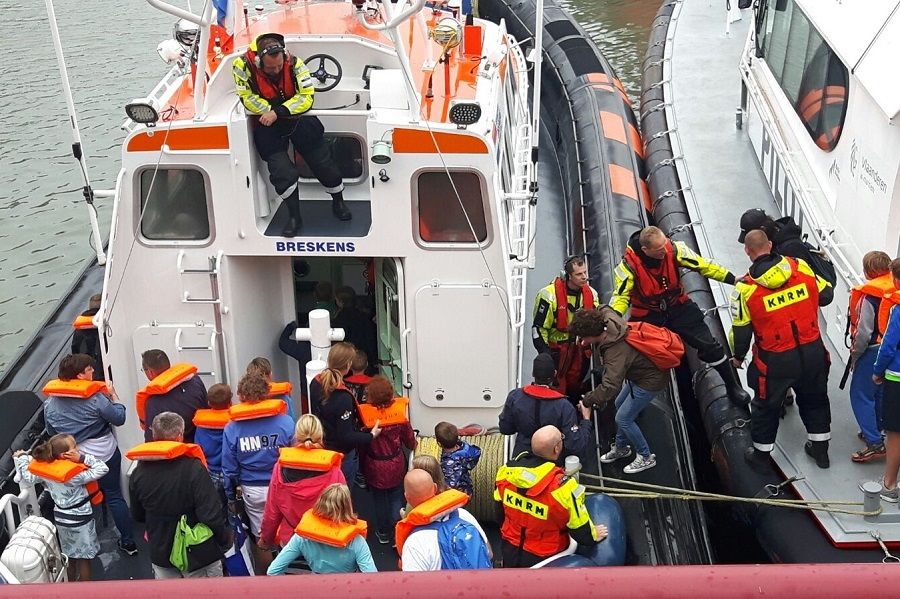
(394, 21)
(179, 12)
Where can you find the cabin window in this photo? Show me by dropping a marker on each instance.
(173, 204)
(450, 207)
(811, 75)
(348, 155)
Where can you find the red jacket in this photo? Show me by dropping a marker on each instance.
(383, 460)
(287, 501)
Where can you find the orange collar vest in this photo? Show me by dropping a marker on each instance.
(325, 531)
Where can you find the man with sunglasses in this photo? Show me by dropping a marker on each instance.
(277, 87)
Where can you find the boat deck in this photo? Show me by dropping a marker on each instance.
(703, 101)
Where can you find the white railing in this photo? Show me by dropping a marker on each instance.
(16, 508)
(163, 90)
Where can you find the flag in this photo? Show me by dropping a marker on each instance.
(225, 14)
(238, 560)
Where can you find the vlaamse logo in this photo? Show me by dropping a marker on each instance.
(315, 246)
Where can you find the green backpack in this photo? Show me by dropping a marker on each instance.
(186, 537)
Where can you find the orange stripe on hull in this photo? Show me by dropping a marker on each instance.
(621, 181)
(187, 138)
(636, 143)
(416, 141)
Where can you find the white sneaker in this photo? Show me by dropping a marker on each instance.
(640, 464)
(615, 453)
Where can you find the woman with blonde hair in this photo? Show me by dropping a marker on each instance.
(299, 477)
(329, 536)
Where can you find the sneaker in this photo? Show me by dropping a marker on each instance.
(615, 453)
(128, 548)
(360, 480)
(383, 537)
(640, 464)
(869, 453)
(889, 495)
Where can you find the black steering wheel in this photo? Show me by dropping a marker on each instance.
(326, 77)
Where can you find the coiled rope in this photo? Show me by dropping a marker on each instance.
(654, 492)
(482, 504)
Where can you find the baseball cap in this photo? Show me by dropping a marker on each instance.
(751, 220)
(543, 367)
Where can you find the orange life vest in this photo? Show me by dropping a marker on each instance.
(533, 519)
(328, 532)
(74, 388)
(61, 471)
(161, 384)
(395, 412)
(84, 322)
(165, 450)
(320, 460)
(273, 92)
(257, 409)
(655, 288)
(562, 302)
(787, 317)
(427, 512)
(279, 389)
(822, 110)
(209, 418)
(882, 289)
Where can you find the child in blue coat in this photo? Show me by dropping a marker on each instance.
(458, 458)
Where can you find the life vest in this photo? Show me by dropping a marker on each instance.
(279, 389)
(655, 288)
(162, 384)
(787, 317)
(257, 409)
(165, 450)
(84, 322)
(541, 392)
(319, 460)
(357, 379)
(273, 92)
(395, 412)
(882, 289)
(427, 512)
(562, 302)
(533, 519)
(326, 531)
(74, 388)
(61, 471)
(209, 418)
(822, 112)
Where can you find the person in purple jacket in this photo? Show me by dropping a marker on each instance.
(458, 458)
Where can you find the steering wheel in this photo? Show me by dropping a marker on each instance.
(322, 74)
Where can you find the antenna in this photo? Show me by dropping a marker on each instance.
(77, 150)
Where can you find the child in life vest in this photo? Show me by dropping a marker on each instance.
(330, 537)
(357, 381)
(458, 458)
(210, 425)
(72, 510)
(384, 459)
(263, 367)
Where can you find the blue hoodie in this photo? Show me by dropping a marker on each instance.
(887, 364)
(210, 441)
(250, 450)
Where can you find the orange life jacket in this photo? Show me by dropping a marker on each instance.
(655, 288)
(822, 110)
(427, 512)
(562, 302)
(84, 322)
(882, 289)
(165, 450)
(279, 389)
(273, 92)
(209, 418)
(328, 532)
(320, 460)
(787, 317)
(161, 384)
(61, 471)
(74, 388)
(533, 519)
(395, 412)
(257, 409)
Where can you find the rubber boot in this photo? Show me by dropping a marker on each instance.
(339, 207)
(818, 450)
(294, 221)
(757, 460)
(733, 386)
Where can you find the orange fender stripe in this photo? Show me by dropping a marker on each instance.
(613, 126)
(186, 138)
(621, 181)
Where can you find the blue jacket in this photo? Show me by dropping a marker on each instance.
(184, 399)
(887, 364)
(250, 450)
(457, 466)
(210, 441)
(533, 406)
(83, 418)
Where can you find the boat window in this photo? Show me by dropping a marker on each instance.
(347, 152)
(441, 217)
(173, 204)
(811, 75)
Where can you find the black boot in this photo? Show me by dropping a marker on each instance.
(818, 450)
(733, 386)
(339, 207)
(294, 221)
(758, 460)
